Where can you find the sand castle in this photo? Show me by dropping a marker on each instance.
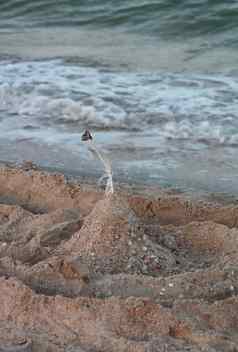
(86, 270)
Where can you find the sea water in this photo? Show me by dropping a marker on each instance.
(156, 82)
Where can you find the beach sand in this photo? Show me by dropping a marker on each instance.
(138, 271)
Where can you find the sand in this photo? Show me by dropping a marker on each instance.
(130, 272)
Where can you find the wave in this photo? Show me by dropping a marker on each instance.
(165, 18)
(175, 106)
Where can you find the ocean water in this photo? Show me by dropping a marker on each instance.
(156, 82)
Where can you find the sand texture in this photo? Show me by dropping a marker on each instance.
(81, 272)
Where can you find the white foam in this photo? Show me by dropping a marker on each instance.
(174, 106)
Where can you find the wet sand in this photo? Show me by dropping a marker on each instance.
(142, 270)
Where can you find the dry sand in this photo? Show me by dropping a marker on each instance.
(81, 272)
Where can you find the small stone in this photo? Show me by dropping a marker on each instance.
(144, 248)
(171, 284)
(232, 288)
(130, 243)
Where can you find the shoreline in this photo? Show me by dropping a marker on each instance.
(152, 190)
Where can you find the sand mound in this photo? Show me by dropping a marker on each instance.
(179, 211)
(28, 237)
(109, 325)
(117, 324)
(81, 272)
(40, 191)
(113, 240)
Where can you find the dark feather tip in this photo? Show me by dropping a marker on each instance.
(86, 136)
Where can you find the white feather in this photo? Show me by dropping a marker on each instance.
(107, 166)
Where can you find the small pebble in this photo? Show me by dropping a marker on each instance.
(171, 284)
(232, 288)
(144, 248)
(130, 243)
